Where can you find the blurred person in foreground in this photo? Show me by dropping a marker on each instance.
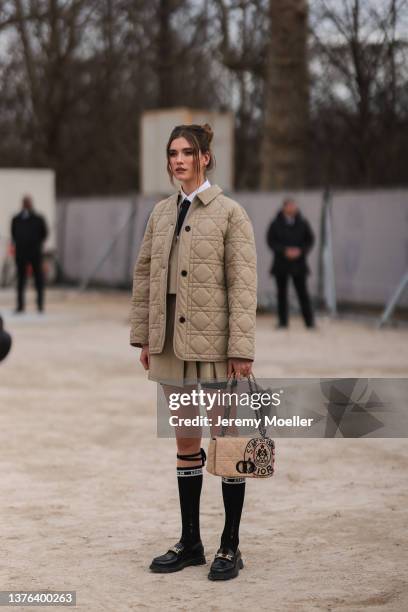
(5, 341)
(291, 238)
(29, 231)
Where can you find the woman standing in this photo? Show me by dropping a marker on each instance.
(193, 314)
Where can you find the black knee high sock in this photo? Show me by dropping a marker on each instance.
(233, 493)
(190, 480)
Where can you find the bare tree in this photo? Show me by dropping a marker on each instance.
(243, 30)
(49, 35)
(77, 74)
(359, 59)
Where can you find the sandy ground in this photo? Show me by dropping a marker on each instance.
(89, 494)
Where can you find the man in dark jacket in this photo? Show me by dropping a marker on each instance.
(29, 230)
(290, 237)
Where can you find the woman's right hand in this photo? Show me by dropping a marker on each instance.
(145, 357)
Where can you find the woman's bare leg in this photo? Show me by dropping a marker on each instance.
(188, 438)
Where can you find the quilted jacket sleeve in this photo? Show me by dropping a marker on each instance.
(241, 280)
(139, 312)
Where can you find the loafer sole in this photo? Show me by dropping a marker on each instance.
(162, 569)
(232, 573)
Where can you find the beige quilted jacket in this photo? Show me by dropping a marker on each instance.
(217, 283)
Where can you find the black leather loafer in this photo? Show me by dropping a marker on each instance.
(226, 564)
(178, 557)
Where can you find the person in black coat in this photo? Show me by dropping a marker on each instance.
(28, 231)
(290, 237)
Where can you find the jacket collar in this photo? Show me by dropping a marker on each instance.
(205, 196)
(209, 194)
(204, 185)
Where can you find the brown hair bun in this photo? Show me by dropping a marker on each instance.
(208, 130)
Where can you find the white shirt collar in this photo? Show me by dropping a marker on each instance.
(192, 195)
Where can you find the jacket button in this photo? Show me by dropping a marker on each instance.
(182, 320)
(184, 273)
(187, 228)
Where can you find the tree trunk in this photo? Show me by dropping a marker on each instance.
(286, 111)
(165, 57)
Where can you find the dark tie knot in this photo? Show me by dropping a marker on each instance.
(182, 214)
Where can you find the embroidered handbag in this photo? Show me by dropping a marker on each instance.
(231, 456)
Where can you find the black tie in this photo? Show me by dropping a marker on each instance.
(182, 214)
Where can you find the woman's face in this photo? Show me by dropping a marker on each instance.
(182, 161)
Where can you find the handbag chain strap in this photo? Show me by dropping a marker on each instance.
(227, 409)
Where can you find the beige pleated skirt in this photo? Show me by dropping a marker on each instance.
(168, 369)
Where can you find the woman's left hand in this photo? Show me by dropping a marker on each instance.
(239, 367)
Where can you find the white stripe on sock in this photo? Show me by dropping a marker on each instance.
(232, 480)
(189, 471)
